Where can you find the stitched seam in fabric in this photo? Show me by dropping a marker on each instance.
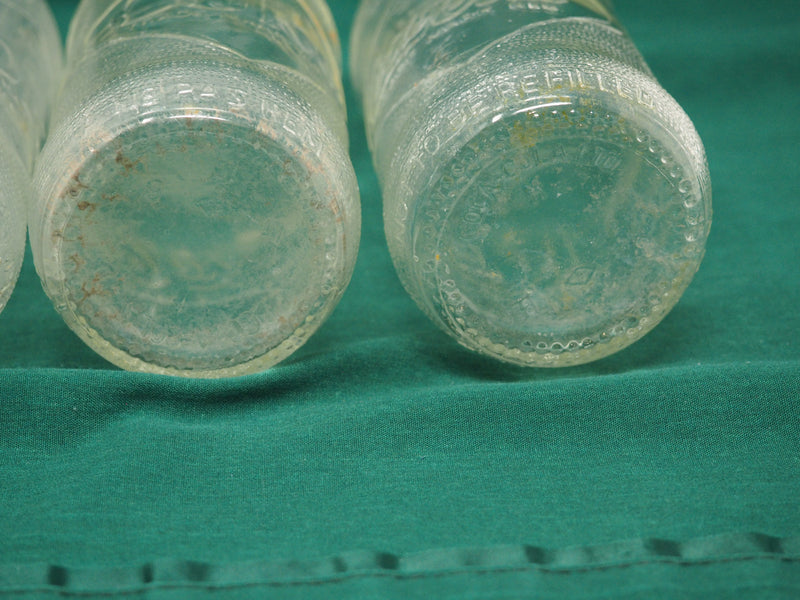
(60, 584)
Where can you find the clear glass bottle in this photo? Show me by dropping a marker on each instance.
(197, 213)
(546, 202)
(30, 62)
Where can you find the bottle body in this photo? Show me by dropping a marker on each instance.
(546, 202)
(198, 214)
(30, 60)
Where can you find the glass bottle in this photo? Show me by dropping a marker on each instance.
(198, 213)
(30, 61)
(546, 202)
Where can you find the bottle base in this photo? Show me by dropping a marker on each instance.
(191, 245)
(560, 233)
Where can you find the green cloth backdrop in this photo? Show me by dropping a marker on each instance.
(383, 461)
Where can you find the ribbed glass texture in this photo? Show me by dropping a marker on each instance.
(30, 62)
(197, 211)
(546, 202)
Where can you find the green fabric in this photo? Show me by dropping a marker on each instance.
(383, 461)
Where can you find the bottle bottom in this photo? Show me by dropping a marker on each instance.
(191, 245)
(557, 235)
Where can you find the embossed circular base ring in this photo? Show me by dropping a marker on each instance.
(560, 235)
(190, 245)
